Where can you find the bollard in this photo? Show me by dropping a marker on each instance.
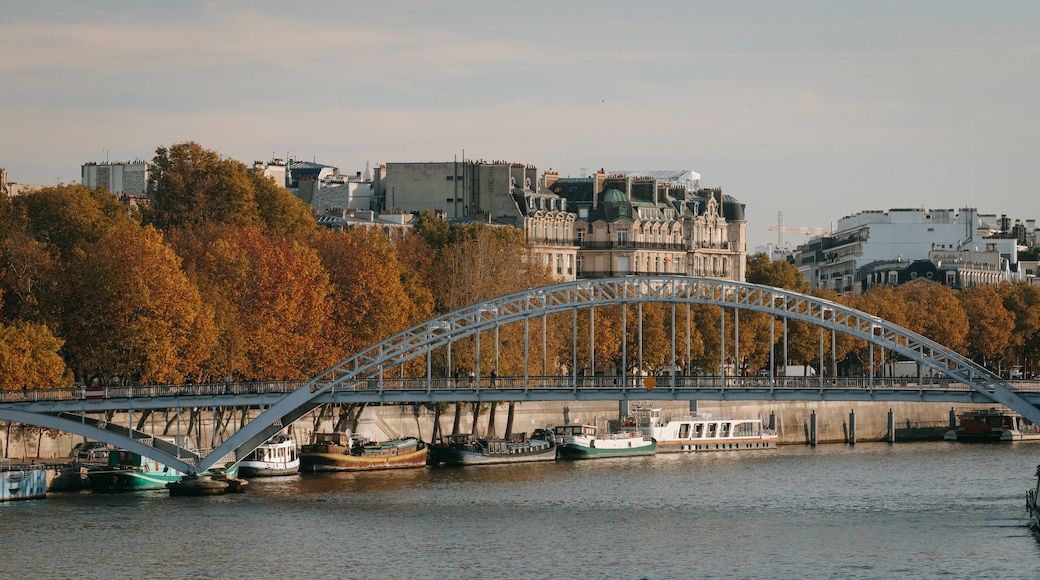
(812, 429)
(891, 426)
(852, 427)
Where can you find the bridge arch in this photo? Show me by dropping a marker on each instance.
(421, 339)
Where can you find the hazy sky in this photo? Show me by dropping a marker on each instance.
(817, 109)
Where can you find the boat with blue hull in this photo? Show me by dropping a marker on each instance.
(22, 481)
(468, 449)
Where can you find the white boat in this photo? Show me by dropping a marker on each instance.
(585, 442)
(22, 481)
(278, 456)
(701, 432)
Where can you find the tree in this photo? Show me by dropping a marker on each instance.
(72, 216)
(1022, 300)
(990, 325)
(27, 265)
(29, 358)
(281, 213)
(271, 302)
(190, 185)
(367, 281)
(778, 273)
(934, 311)
(130, 311)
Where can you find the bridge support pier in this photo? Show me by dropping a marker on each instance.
(852, 427)
(953, 418)
(891, 426)
(812, 429)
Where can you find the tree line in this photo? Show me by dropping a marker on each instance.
(226, 275)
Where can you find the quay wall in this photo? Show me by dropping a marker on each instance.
(793, 419)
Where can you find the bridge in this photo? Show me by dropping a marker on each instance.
(377, 374)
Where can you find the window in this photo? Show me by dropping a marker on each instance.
(622, 238)
(581, 265)
(581, 238)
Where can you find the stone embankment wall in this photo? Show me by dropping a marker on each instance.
(792, 421)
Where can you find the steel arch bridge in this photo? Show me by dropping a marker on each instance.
(364, 377)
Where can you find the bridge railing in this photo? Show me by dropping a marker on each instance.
(467, 384)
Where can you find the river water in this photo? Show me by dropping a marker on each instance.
(920, 510)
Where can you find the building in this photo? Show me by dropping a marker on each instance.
(631, 222)
(497, 193)
(9, 189)
(959, 248)
(128, 181)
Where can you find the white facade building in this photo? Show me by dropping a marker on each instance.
(128, 179)
(873, 247)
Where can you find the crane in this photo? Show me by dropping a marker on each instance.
(781, 230)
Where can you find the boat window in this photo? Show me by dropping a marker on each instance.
(698, 431)
(684, 431)
(712, 429)
(725, 429)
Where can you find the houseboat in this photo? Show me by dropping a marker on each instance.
(345, 452)
(701, 432)
(22, 481)
(129, 471)
(582, 441)
(469, 449)
(992, 425)
(278, 456)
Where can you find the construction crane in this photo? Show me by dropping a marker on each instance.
(781, 230)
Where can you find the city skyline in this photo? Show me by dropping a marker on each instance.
(813, 109)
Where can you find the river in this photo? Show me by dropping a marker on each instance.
(922, 510)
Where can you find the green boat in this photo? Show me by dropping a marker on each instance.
(583, 442)
(128, 471)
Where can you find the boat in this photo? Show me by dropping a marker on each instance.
(580, 441)
(342, 451)
(468, 449)
(277, 456)
(129, 471)
(701, 432)
(992, 425)
(22, 481)
(217, 483)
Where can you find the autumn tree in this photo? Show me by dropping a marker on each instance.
(29, 358)
(271, 302)
(281, 213)
(776, 273)
(27, 265)
(1022, 300)
(369, 291)
(130, 311)
(990, 325)
(933, 310)
(190, 185)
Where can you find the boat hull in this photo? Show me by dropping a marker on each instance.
(119, 480)
(327, 458)
(258, 469)
(18, 484)
(581, 451)
(688, 445)
(451, 455)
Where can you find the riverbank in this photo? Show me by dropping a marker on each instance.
(793, 421)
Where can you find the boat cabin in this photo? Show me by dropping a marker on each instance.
(576, 430)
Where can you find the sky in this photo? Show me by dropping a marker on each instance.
(816, 109)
